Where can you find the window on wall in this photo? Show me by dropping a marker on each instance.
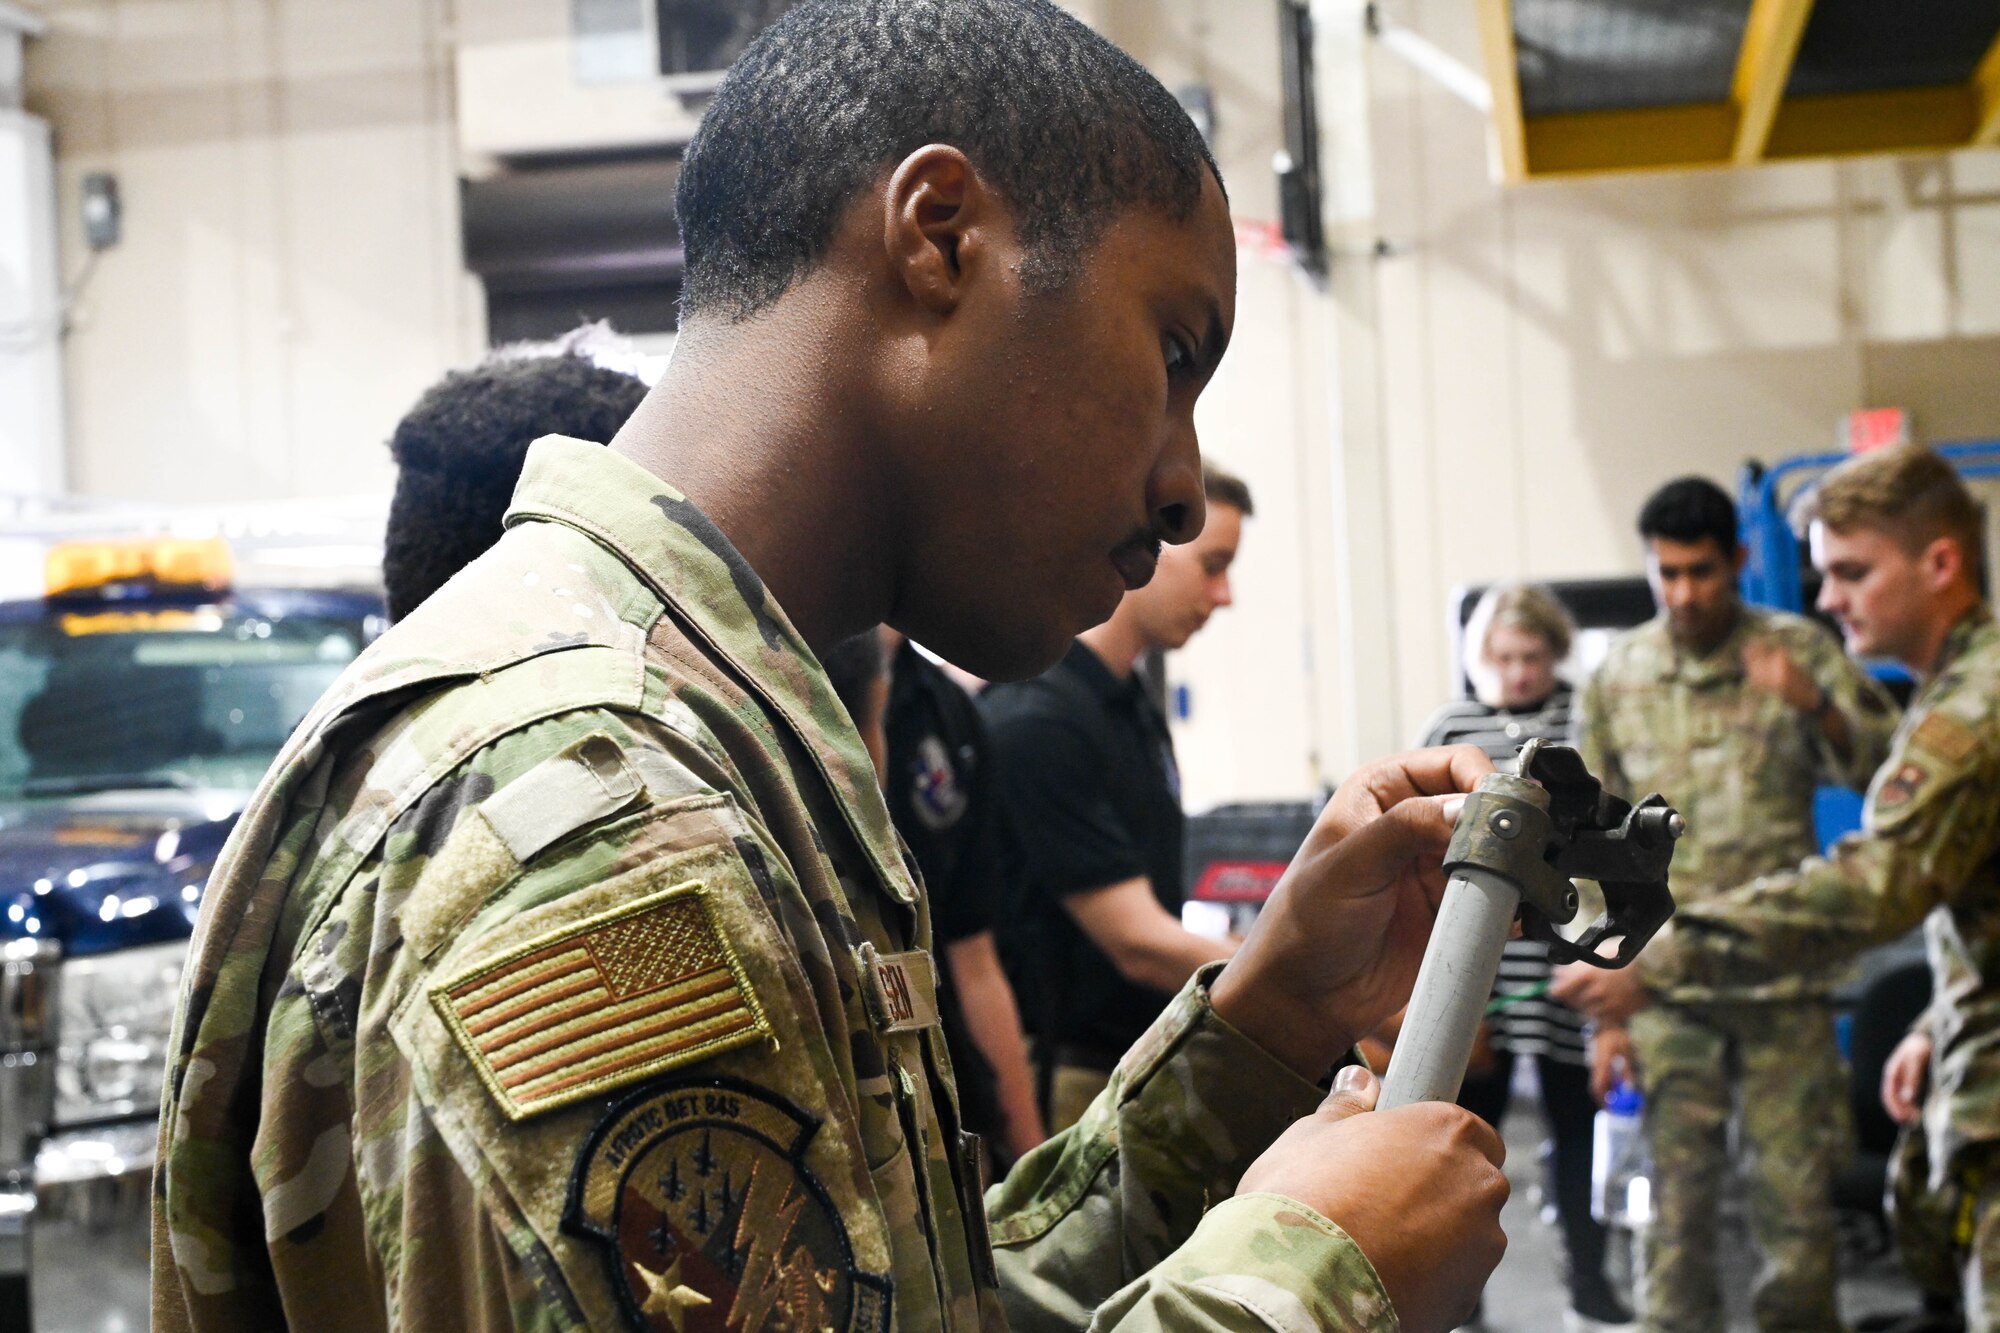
(562, 244)
(696, 36)
(641, 308)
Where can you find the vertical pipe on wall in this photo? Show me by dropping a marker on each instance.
(31, 301)
(1361, 673)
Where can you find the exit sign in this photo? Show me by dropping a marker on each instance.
(1874, 428)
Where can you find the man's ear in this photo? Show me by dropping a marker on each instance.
(1742, 558)
(1941, 563)
(938, 224)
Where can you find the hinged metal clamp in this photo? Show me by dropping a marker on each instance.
(1518, 842)
(1515, 847)
(1563, 826)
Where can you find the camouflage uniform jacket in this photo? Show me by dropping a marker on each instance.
(565, 972)
(1928, 851)
(1739, 762)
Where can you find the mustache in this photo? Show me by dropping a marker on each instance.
(1145, 541)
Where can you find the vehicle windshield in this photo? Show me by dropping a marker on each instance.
(197, 698)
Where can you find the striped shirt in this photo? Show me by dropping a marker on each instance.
(1532, 1024)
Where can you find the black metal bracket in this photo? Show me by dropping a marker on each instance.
(1595, 835)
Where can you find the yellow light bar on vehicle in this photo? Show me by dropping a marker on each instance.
(79, 623)
(164, 562)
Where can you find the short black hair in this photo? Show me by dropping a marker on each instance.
(1069, 129)
(1689, 509)
(459, 452)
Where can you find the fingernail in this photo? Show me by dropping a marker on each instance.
(1353, 1078)
(1451, 806)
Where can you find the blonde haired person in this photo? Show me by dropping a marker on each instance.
(1516, 640)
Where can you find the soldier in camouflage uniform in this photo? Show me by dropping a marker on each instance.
(1736, 714)
(1899, 540)
(566, 972)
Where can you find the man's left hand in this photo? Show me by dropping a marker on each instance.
(1611, 1061)
(1771, 669)
(1336, 949)
(1904, 1075)
(1608, 997)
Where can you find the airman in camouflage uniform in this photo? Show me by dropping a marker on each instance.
(1928, 853)
(565, 972)
(661, 821)
(1742, 763)
(1899, 540)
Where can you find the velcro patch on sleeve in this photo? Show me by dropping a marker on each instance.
(1946, 737)
(470, 865)
(587, 782)
(627, 994)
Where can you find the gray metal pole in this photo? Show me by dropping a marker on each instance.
(1453, 987)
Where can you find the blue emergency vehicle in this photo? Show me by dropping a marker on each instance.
(141, 700)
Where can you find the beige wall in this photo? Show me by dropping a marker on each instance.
(1492, 400)
(290, 277)
(1496, 397)
(1264, 719)
(1550, 353)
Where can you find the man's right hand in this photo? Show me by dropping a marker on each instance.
(1337, 946)
(1419, 1189)
(1904, 1076)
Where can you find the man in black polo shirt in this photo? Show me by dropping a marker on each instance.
(937, 778)
(1094, 823)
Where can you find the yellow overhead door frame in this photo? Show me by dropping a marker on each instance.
(1757, 124)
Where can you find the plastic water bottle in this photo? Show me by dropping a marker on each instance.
(1621, 1186)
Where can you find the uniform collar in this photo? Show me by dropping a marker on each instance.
(912, 673)
(1091, 670)
(1722, 662)
(1973, 630)
(678, 550)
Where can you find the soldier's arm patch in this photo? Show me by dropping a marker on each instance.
(1946, 737)
(627, 994)
(698, 1197)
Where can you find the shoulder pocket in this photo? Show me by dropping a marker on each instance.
(639, 960)
(628, 957)
(589, 781)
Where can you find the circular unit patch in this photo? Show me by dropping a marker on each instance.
(1901, 787)
(710, 1222)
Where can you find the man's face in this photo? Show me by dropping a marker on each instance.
(1052, 442)
(1192, 582)
(1875, 589)
(1695, 584)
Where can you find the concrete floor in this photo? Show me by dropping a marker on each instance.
(1527, 1294)
(91, 1268)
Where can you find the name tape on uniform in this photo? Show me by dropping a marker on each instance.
(901, 989)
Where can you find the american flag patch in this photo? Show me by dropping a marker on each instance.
(645, 988)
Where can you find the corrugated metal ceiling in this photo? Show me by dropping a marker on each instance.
(1602, 55)
(1853, 46)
